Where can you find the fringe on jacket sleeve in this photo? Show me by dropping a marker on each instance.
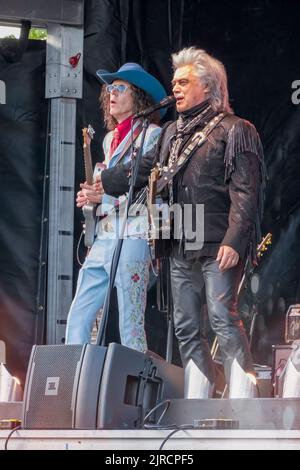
(243, 137)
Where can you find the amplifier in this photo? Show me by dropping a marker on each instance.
(264, 380)
(292, 323)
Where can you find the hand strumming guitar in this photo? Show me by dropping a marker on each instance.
(90, 193)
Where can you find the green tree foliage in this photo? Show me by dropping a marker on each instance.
(37, 33)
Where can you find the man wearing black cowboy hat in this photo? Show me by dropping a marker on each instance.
(124, 93)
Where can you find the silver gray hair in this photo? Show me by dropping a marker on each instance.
(211, 73)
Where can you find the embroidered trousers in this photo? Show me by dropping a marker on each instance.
(131, 283)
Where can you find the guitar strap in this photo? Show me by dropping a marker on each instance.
(198, 139)
(129, 143)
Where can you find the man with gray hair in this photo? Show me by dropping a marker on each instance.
(208, 157)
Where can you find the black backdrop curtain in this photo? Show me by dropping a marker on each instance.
(22, 150)
(257, 40)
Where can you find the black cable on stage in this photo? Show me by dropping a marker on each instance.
(157, 425)
(10, 434)
(178, 428)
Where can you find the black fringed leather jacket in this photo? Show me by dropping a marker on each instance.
(226, 175)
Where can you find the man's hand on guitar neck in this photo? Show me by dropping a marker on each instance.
(90, 193)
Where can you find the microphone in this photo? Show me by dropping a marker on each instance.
(164, 103)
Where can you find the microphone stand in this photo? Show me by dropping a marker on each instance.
(165, 302)
(135, 164)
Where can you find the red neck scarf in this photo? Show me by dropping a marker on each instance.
(120, 131)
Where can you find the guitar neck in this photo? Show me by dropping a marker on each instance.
(88, 164)
(154, 175)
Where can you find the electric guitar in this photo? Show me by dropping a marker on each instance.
(249, 268)
(89, 210)
(263, 246)
(158, 218)
(154, 175)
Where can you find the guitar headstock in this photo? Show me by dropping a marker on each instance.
(88, 135)
(263, 246)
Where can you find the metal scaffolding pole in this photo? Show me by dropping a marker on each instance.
(63, 87)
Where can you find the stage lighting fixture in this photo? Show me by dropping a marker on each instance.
(10, 387)
(242, 384)
(196, 384)
(291, 385)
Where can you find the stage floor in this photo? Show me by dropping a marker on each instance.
(151, 440)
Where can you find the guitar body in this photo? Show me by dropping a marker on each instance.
(89, 212)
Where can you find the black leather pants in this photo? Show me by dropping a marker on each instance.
(187, 277)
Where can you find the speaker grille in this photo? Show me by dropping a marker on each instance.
(52, 380)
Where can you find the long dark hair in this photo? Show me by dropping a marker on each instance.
(141, 101)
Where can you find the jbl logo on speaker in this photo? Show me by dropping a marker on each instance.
(88, 386)
(52, 384)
